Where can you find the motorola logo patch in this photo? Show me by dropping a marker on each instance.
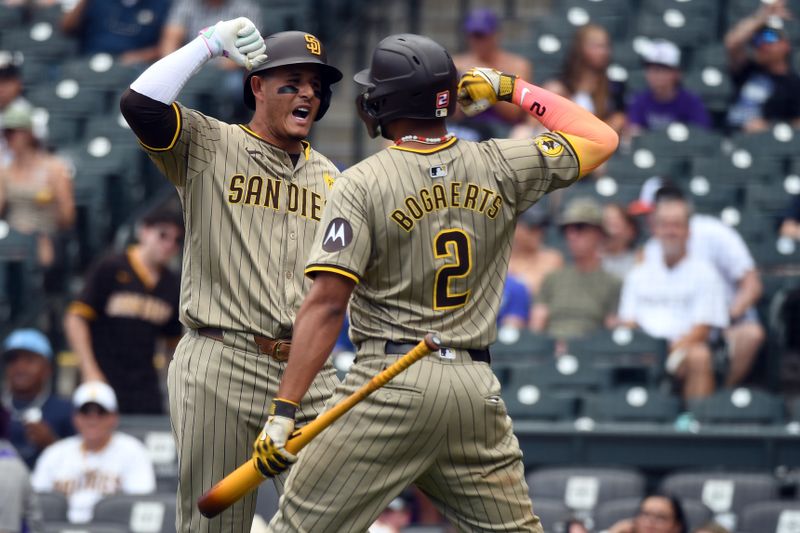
(338, 235)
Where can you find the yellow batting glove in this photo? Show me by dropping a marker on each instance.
(481, 88)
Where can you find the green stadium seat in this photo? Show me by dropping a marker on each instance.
(528, 347)
(741, 167)
(99, 71)
(774, 254)
(68, 527)
(713, 85)
(565, 374)
(710, 55)
(63, 129)
(53, 506)
(674, 24)
(68, 97)
(585, 488)
(768, 199)
(138, 512)
(528, 401)
(637, 166)
(41, 40)
(780, 141)
(680, 141)
(113, 126)
(634, 404)
(10, 17)
(611, 14)
(738, 406)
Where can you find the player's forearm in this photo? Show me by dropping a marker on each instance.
(593, 140)
(165, 78)
(71, 20)
(79, 339)
(316, 328)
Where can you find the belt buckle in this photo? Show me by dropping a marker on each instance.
(276, 348)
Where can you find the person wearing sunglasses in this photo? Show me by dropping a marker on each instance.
(129, 304)
(98, 461)
(767, 86)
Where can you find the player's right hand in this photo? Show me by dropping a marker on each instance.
(481, 88)
(236, 39)
(269, 450)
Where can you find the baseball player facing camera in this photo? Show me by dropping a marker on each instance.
(420, 235)
(252, 199)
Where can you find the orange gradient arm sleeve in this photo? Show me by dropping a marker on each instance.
(591, 138)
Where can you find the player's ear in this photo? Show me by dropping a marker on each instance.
(257, 86)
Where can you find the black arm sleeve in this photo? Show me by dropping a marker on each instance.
(153, 122)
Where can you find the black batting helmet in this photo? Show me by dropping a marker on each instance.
(410, 76)
(295, 48)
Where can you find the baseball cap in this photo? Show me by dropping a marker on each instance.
(535, 216)
(766, 35)
(95, 392)
(30, 340)
(647, 197)
(481, 20)
(18, 116)
(9, 66)
(661, 52)
(582, 211)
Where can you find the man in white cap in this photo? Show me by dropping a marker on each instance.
(98, 461)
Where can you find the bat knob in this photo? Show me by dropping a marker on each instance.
(433, 342)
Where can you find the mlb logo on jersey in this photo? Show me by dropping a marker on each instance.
(439, 171)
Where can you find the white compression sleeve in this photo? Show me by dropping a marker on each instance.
(165, 78)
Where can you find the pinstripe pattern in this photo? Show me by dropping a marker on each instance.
(250, 216)
(219, 393)
(441, 424)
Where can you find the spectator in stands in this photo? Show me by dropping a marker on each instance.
(394, 518)
(619, 246)
(38, 416)
(678, 297)
(35, 190)
(530, 259)
(10, 93)
(713, 241)
(580, 298)
(767, 87)
(658, 513)
(127, 29)
(129, 303)
(711, 527)
(665, 100)
(97, 462)
(790, 227)
(18, 512)
(482, 27)
(583, 78)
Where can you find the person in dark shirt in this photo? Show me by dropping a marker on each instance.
(38, 417)
(665, 100)
(129, 302)
(767, 87)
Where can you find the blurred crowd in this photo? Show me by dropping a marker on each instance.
(577, 266)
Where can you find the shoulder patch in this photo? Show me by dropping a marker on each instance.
(548, 146)
(338, 235)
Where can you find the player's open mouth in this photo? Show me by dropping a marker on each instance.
(301, 112)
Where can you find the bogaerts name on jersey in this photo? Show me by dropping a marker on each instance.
(447, 195)
(271, 192)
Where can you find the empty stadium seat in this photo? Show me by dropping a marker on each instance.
(637, 166)
(726, 494)
(779, 141)
(635, 404)
(529, 401)
(738, 406)
(566, 373)
(770, 517)
(551, 512)
(680, 141)
(67, 527)
(527, 347)
(146, 513)
(585, 488)
(713, 85)
(99, 71)
(42, 40)
(612, 512)
(740, 167)
(53, 506)
(68, 97)
(675, 24)
(774, 252)
(10, 17)
(630, 355)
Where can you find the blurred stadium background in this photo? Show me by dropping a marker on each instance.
(597, 430)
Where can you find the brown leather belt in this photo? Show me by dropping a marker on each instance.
(277, 349)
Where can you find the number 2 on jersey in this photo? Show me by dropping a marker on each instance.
(453, 245)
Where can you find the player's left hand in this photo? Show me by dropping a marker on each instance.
(481, 88)
(237, 39)
(269, 450)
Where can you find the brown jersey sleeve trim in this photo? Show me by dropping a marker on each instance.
(330, 268)
(82, 310)
(174, 137)
(448, 144)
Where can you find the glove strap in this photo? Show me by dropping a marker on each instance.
(284, 408)
(506, 89)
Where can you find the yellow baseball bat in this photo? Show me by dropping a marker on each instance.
(247, 477)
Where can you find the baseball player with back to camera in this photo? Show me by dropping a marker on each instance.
(420, 235)
(252, 199)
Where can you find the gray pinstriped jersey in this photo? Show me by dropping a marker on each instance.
(250, 218)
(429, 245)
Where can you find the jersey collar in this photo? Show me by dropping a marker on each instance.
(139, 268)
(306, 144)
(448, 144)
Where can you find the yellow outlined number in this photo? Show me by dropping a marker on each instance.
(451, 243)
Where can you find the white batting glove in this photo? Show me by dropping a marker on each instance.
(237, 39)
(481, 88)
(269, 450)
